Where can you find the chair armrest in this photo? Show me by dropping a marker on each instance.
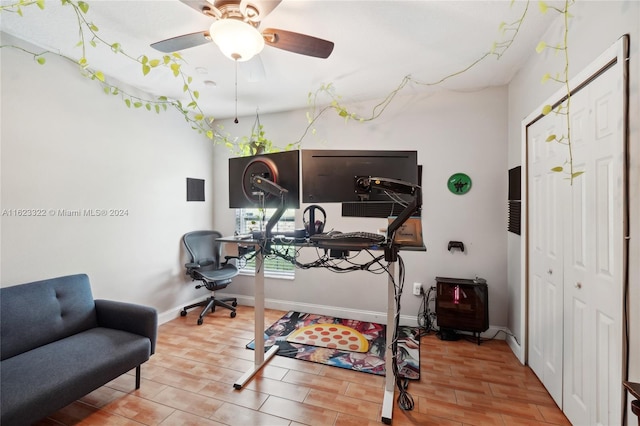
(191, 267)
(137, 319)
(228, 258)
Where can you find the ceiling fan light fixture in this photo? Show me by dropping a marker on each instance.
(236, 39)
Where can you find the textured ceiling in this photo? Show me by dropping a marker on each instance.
(377, 43)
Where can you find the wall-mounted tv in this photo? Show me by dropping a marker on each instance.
(281, 168)
(331, 176)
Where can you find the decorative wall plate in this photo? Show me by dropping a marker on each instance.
(459, 183)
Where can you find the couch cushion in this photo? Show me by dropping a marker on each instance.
(41, 381)
(42, 312)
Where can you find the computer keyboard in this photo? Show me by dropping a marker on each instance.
(358, 239)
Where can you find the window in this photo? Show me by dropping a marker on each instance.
(248, 220)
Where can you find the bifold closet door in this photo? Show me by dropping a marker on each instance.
(575, 246)
(547, 194)
(593, 256)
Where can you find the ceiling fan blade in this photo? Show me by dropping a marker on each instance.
(200, 5)
(298, 43)
(264, 7)
(182, 42)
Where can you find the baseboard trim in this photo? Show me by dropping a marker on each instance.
(334, 311)
(516, 348)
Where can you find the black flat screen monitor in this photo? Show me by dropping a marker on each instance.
(281, 168)
(330, 176)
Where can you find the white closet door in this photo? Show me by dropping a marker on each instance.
(593, 256)
(547, 192)
(575, 246)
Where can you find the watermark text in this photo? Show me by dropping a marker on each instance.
(64, 212)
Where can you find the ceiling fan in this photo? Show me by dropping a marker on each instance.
(235, 31)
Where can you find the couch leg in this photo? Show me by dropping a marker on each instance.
(138, 377)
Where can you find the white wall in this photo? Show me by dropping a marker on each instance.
(67, 145)
(594, 27)
(452, 132)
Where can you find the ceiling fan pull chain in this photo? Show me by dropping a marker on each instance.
(236, 119)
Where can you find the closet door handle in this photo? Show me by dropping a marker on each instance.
(550, 272)
(578, 285)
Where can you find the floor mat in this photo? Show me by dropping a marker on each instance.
(283, 332)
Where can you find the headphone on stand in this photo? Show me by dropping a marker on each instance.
(313, 225)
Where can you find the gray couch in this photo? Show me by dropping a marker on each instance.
(58, 344)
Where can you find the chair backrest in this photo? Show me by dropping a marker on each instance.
(204, 248)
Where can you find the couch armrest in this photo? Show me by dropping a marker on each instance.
(138, 319)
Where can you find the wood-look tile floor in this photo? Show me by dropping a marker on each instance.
(189, 382)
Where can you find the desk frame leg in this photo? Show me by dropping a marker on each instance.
(259, 357)
(390, 380)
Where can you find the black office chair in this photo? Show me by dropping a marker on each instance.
(208, 267)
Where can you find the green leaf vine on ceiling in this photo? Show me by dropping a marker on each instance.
(257, 141)
(498, 48)
(563, 108)
(509, 30)
(88, 34)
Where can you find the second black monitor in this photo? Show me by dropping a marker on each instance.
(330, 176)
(281, 168)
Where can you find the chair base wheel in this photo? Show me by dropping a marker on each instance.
(200, 321)
(183, 313)
(234, 304)
(233, 314)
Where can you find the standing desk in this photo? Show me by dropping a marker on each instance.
(261, 358)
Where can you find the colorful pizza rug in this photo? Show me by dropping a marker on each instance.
(350, 344)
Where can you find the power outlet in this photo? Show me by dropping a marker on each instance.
(417, 289)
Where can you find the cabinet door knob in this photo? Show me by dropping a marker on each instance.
(578, 285)
(550, 272)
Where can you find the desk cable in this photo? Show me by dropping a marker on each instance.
(336, 264)
(405, 400)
